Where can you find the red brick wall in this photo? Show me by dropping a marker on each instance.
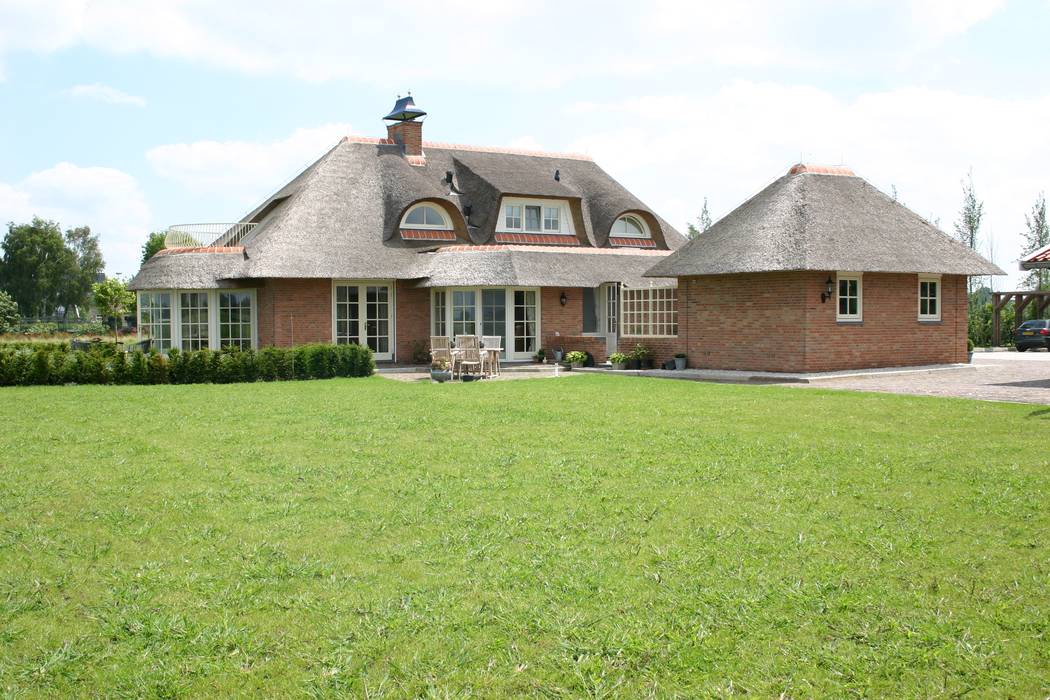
(409, 134)
(890, 334)
(295, 311)
(562, 326)
(413, 320)
(776, 322)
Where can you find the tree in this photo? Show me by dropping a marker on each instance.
(37, 268)
(113, 299)
(1036, 236)
(9, 316)
(968, 226)
(703, 222)
(153, 244)
(89, 264)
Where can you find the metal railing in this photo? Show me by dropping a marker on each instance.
(206, 235)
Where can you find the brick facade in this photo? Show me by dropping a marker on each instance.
(295, 311)
(776, 322)
(412, 314)
(562, 326)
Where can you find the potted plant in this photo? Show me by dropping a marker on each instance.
(969, 350)
(440, 371)
(558, 352)
(618, 360)
(576, 359)
(644, 356)
(541, 356)
(679, 360)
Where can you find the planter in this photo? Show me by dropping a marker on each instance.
(634, 364)
(441, 375)
(646, 363)
(969, 357)
(557, 355)
(575, 365)
(679, 363)
(619, 365)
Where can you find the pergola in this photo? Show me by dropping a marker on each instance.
(1039, 260)
(1021, 301)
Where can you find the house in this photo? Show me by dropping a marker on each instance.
(821, 271)
(386, 241)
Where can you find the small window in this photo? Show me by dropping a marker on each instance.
(532, 218)
(426, 216)
(552, 219)
(629, 227)
(929, 299)
(512, 216)
(850, 304)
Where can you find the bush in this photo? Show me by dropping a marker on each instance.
(9, 317)
(576, 356)
(56, 363)
(618, 358)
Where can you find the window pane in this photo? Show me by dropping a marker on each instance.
(532, 218)
(512, 218)
(432, 217)
(415, 217)
(235, 319)
(552, 219)
(590, 310)
(347, 314)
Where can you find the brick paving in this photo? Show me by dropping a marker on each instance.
(1000, 376)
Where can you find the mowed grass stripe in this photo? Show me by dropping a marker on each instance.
(588, 536)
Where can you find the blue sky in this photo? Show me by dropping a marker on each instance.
(133, 116)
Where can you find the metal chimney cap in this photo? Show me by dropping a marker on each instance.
(405, 110)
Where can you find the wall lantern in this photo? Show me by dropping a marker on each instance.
(829, 289)
(563, 299)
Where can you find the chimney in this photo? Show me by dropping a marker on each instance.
(407, 126)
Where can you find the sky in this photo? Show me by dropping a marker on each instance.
(133, 116)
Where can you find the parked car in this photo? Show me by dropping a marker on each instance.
(1032, 334)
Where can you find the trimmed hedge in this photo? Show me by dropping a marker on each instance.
(46, 364)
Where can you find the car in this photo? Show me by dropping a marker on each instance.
(1032, 334)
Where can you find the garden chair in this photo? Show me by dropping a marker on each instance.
(469, 357)
(440, 349)
(490, 353)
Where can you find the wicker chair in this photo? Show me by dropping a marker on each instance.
(490, 353)
(467, 353)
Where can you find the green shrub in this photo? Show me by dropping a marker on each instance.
(138, 368)
(576, 356)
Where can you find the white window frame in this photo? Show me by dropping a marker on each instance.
(508, 307)
(445, 226)
(646, 309)
(175, 323)
(937, 297)
(858, 277)
(645, 235)
(565, 225)
(362, 313)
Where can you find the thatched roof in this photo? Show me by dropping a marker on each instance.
(820, 218)
(340, 218)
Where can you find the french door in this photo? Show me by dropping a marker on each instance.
(509, 313)
(362, 314)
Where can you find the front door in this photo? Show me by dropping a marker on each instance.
(611, 297)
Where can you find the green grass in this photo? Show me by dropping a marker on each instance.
(592, 536)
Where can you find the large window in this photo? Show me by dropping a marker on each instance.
(362, 316)
(929, 298)
(590, 310)
(464, 312)
(650, 312)
(511, 314)
(512, 217)
(235, 320)
(155, 318)
(850, 298)
(193, 311)
(197, 319)
(532, 218)
(426, 216)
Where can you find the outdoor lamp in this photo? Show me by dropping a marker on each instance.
(829, 288)
(563, 299)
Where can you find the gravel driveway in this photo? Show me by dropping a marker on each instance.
(1000, 376)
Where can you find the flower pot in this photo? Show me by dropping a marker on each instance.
(969, 357)
(575, 365)
(441, 375)
(634, 364)
(557, 355)
(647, 363)
(619, 365)
(679, 363)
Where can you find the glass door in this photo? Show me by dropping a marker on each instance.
(362, 316)
(612, 307)
(494, 315)
(525, 323)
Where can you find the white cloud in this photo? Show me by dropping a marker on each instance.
(740, 138)
(105, 93)
(244, 171)
(412, 42)
(108, 200)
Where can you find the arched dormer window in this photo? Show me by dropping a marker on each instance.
(426, 216)
(629, 226)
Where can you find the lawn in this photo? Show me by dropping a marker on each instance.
(588, 536)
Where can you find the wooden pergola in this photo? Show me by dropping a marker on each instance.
(1021, 301)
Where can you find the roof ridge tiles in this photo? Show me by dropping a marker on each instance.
(441, 145)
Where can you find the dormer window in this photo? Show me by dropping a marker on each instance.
(541, 216)
(426, 216)
(629, 227)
